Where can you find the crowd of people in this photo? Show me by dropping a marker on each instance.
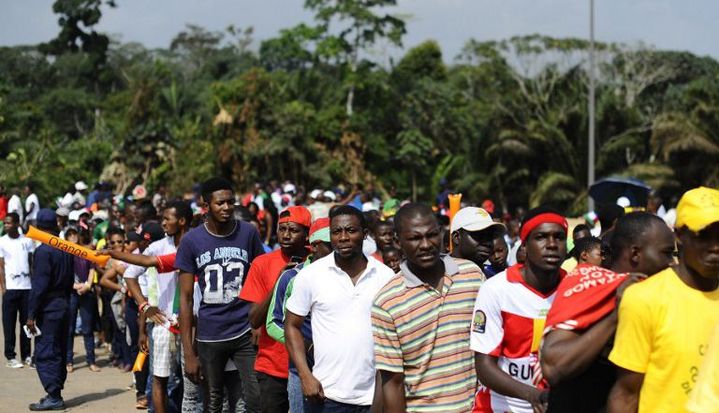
(341, 300)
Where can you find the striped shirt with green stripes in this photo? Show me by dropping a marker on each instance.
(424, 333)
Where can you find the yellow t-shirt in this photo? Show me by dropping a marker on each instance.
(663, 332)
(705, 396)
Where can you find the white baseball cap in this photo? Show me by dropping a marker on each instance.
(474, 219)
(329, 194)
(315, 193)
(80, 186)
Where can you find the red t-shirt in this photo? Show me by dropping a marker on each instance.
(585, 296)
(3, 207)
(272, 357)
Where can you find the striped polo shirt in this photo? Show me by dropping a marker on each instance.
(424, 334)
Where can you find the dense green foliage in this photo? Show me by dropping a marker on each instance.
(506, 120)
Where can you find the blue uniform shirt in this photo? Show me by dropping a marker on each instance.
(52, 279)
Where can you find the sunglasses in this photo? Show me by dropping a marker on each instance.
(117, 242)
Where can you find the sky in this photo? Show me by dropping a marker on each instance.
(663, 24)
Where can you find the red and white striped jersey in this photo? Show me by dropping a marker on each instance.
(508, 322)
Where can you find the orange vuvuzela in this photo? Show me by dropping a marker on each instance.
(67, 246)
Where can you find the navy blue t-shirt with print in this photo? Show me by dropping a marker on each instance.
(220, 264)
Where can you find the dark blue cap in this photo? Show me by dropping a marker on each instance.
(46, 218)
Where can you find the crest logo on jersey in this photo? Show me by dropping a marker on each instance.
(479, 322)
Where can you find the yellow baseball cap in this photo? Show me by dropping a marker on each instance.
(698, 208)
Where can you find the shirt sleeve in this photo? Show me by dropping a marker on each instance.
(275, 323)
(40, 281)
(30, 245)
(185, 260)
(166, 263)
(252, 290)
(300, 302)
(387, 348)
(487, 332)
(633, 341)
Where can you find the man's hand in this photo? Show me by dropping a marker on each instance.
(539, 399)
(104, 251)
(31, 326)
(2, 290)
(154, 314)
(312, 389)
(142, 341)
(192, 368)
(632, 278)
(82, 288)
(255, 338)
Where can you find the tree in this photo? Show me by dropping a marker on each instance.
(359, 27)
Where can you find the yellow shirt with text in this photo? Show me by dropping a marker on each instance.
(663, 333)
(705, 396)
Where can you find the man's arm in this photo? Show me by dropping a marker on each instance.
(192, 364)
(2, 276)
(258, 312)
(311, 387)
(490, 375)
(40, 282)
(392, 389)
(109, 280)
(130, 258)
(624, 397)
(275, 323)
(566, 354)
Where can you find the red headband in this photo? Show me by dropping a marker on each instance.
(546, 218)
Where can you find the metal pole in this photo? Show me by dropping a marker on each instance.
(590, 163)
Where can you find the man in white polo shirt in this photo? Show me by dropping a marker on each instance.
(338, 290)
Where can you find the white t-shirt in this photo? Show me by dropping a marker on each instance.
(32, 201)
(160, 288)
(341, 325)
(17, 265)
(14, 204)
(508, 322)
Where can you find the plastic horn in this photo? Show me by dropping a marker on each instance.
(67, 246)
(455, 201)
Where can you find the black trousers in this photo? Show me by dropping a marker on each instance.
(14, 309)
(131, 315)
(273, 394)
(213, 358)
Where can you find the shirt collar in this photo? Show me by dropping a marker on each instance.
(514, 275)
(411, 280)
(332, 264)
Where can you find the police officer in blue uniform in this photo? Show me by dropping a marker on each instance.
(49, 302)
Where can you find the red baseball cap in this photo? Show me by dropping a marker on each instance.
(297, 214)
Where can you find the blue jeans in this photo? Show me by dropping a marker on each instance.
(87, 305)
(331, 406)
(294, 392)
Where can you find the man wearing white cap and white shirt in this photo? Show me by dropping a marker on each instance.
(324, 201)
(472, 234)
(79, 197)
